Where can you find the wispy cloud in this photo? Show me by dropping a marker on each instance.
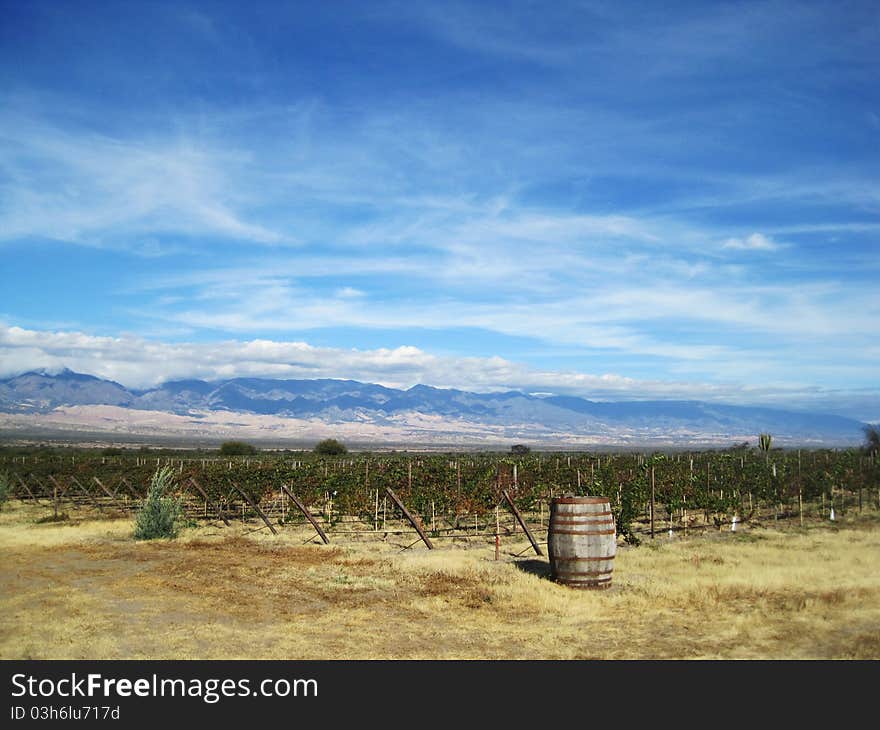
(754, 242)
(94, 189)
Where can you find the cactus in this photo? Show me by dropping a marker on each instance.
(765, 439)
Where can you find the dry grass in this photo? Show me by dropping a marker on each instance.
(84, 589)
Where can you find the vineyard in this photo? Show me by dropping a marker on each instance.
(461, 497)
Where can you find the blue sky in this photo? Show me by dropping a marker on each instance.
(615, 200)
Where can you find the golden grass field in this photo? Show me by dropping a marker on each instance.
(84, 589)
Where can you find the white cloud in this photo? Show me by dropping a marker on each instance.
(141, 363)
(113, 192)
(755, 242)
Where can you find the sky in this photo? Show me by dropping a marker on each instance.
(617, 200)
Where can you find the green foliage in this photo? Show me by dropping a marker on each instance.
(519, 449)
(330, 447)
(765, 440)
(872, 438)
(160, 516)
(237, 448)
(4, 488)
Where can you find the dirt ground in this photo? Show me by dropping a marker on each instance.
(85, 589)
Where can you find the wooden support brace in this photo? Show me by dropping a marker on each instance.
(131, 489)
(255, 508)
(27, 488)
(213, 505)
(411, 519)
(107, 491)
(522, 522)
(85, 491)
(62, 490)
(305, 510)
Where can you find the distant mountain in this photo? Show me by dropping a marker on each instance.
(40, 391)
(350, 401)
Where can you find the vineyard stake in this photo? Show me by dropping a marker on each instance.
(411, 519)
(522, 522)
(255, 508)
(27, 489)
(302, 508)
(106, 491)
(208, 501)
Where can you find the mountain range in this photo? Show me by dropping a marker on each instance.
(290, 408)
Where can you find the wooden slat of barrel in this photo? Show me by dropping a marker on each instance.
(582, 541)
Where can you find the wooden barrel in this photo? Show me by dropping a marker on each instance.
(582, 541)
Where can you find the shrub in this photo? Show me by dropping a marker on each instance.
(237, 448)
(519, 449)
(330, 447)
(160, 516)
(4, 488)
(872, 438)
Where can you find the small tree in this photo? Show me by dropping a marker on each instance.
(160, 516)
(519, 449)
(330, 447)
(237, 448)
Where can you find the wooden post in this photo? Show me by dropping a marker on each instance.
(708, 493)
(376, 513)
(409, 517)
(652, 502)
(105, 490)
(684, 513)
(85, 491)
(800, 505)
(131, 489)
(208, 501)
(522, 522)
(254, 507)
(305, 510)
(27, 488)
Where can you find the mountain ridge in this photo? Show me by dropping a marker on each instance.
(350, 401)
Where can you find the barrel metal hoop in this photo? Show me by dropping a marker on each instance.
(579, 500)
(578, 532)
(587, 573)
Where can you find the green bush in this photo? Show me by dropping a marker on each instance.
(160, 516)
(5, 489)
(330, 447)
(237, 448)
